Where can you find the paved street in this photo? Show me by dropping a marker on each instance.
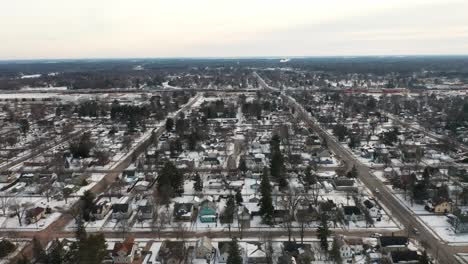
(442, 252)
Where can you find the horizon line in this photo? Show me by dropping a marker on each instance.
(229, 57)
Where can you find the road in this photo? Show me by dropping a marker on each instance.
(44, 147)
(55, 230)
(444, 253)
(458, 145)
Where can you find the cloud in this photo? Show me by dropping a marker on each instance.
(157, 28)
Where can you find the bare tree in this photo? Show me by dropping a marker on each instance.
(180, 230)
(46, 188)
(20, 209)
(4, 202)
(290, 199)
(123, 227)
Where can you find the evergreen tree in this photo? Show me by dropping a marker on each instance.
(354, 172)
(171, 176)
(80, 232)
(198, 186)
(88, 249)
(229, 210)
(239, 198)
(38, 250)
(234, 253)
(87, 204)
(266, 204)
(23, 260)
(169, 124)
(277, 169)
(424, 259)
(24, 126)
(242, 166)
(335, 253)
(323, 232)
(56, 255)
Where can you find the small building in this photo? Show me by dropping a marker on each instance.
(145, 212)
(172, 252)
(124, 252)
(352, 213)
(204, 248)
(183, 211)
(406, 257)
(393, 243)
(442, 206)
(207, 212)
(35, 214)
(100, 210)
(244, 216)
(223, 249)
(121, 211)
(371, 208)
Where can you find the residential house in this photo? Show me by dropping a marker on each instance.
(145, 212)
(255, 253)
(439, 206)
(121, 211)
(459, 222)
(306, 214)
(345, 184)
(35, 214)
(101, 209)
(404, 257)
(345, 249)
(297, 253)
(352, 213)
(172, 252)
(124, 252)
(280, 215)
(204, 249)
(328, 207)
(244, 216)
(207, 212)
(393, 243)
(372, 208)
(223, 249)
(183, 211)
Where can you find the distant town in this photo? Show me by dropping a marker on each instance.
(235, 161)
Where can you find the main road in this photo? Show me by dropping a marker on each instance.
(442, 252)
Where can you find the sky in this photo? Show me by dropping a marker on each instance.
(59, 29)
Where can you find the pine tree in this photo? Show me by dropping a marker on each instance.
(424, 259)
(80, 232)
(169, 124)
(335, 253)
(277, 169)
(38, 250)
(234, 253)
(229, 210)
(170, 175)
(239, 198)
(87, 204)
(266, 204)
(353, 173)
(198, 186)
(323, 232)
(23, 260)
(242, 165)
(56, 255)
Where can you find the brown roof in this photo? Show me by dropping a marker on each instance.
(125, 246)
(36, 211)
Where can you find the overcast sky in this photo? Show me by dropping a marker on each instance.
(33, 29)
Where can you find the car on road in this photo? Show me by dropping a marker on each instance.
(376, 235)
(415, 231)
